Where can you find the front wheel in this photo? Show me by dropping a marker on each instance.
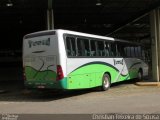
(106, 82)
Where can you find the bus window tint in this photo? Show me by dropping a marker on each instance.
(93, 48)
(127, 51)
(119, 50)
(100, 48)
(71, 48)
(139, 51)
(106, 49)
(113, 50)
(86, 47)
(80, 46)
(83, 47)
(68, 46)
(132, 51)
(136, 51)
(122, 50)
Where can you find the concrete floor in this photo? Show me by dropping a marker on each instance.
(121, 98)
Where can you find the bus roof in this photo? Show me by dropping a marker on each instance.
(47, 32)
(86, 35)
(51, 32)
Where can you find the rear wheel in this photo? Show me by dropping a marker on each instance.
(106, 82)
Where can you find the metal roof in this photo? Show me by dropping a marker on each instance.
(26, 16)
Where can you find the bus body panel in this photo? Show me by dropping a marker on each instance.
(40, 60)
(84, 73)
(42, 54)
(61, 52)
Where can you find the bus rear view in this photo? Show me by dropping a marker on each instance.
(40, 60)
(62, 59)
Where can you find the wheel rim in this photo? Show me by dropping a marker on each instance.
(106, 82)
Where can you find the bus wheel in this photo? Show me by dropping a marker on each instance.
(106, 82)
(140, 75)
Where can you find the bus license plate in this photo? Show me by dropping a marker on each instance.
(41, 87)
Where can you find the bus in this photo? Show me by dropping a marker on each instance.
(68, 60)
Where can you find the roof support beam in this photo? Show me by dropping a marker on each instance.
(155, 37)
(136, 18)
(50, 15)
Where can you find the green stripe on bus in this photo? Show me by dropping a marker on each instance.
(86, 76)
(90, 75)
(33, 74)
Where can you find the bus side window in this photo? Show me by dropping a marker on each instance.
(73, 44)
(139, 51)
(132, 51)
(68, 47)
(106, 49)
(118, 50)
(136, 51)
(122, 50)
(79, 46)
(83, 47)
(100, 48)
(70, 44)
(93, 47)
(86, 47)
(113, 49)
(127, 51)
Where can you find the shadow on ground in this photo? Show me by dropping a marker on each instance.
(14, 91)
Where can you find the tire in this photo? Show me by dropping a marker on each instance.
(140, 75)
(106, 82)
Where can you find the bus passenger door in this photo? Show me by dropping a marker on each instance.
(125, 72)
(120, 64)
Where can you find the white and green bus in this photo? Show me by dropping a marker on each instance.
(62, 59)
